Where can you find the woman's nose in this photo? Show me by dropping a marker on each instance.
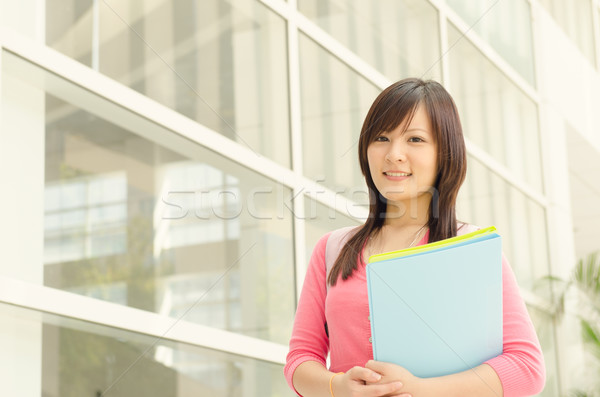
(396, 153)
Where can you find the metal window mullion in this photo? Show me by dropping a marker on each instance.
(488, 52)
(1, 80)
(140, 105)
(544, 149)
(545, 166)
(504, 173)
(160, 115)
(96, 35)
(443, 35)
(447, 15)
(341, 52)
(544, 155)
(366, 71)
(296, 148)
(596, 30)
(70, 305)
(281, 7)
(374, 76)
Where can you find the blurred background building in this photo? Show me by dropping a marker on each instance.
(167, 167)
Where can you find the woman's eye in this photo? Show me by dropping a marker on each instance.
(381, 138)
(415, 139)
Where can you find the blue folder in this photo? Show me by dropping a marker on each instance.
(436, 309)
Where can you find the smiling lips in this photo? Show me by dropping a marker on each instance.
(396, 174)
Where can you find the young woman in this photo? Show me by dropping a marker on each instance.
(412, 155)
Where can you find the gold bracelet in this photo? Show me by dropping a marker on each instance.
(331, 380)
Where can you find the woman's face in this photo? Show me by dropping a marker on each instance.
(403, 162)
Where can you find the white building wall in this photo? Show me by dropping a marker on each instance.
(569, 88)
(22, 152)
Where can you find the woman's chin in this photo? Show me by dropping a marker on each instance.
(396, 197)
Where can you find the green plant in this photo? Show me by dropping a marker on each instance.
(585, 282)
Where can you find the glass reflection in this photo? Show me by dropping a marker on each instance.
(496, 115)
(398, 38)
(486, 199)
(135, 223)
(218, 62)
(335, 100)
(84, 359)
(85, 218)
(490, 19)
(89, 363)
(127, 219)
(576, 19)
(70, 28)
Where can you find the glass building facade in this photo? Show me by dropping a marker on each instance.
(167, 167)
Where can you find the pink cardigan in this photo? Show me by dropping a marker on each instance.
(345, 308)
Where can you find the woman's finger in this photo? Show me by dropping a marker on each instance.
(377, 366)
(386, 389)
(364, 374)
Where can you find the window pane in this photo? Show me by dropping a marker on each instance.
(496, 115)
(575, 18)
(142, 217)
(218, 62)
(486, 199)
(398, 38)
(84, 359)
(69, 28)
(335, 101)
(490, 19)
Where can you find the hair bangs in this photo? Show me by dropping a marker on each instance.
(398, 106)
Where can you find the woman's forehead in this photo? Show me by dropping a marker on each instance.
(418, 120)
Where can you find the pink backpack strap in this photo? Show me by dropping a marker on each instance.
(334, 245)
(464, 228)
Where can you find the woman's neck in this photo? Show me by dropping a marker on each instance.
(408, 213)
(404, 226)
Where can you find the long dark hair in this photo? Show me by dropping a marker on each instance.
(395, 104)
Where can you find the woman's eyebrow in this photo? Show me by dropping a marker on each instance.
(417, 129)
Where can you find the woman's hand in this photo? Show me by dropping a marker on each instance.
(360, 381)
(392, 373)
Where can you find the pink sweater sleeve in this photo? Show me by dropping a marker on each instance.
(520, 367)
(309, 342)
